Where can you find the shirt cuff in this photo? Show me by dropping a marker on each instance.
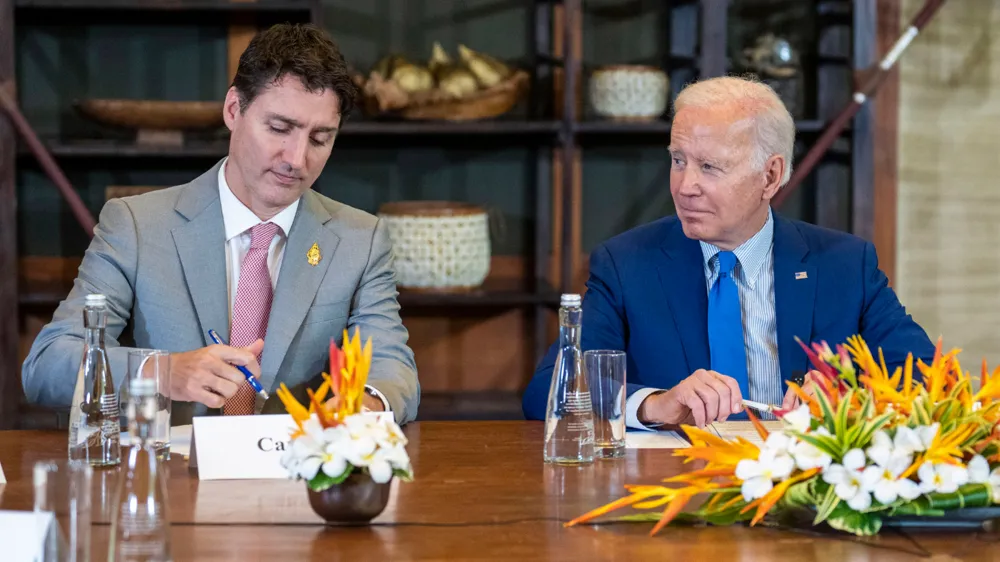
(385, 403)
(632, 409)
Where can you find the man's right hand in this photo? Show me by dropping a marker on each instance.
(208, 375)
(702, 398)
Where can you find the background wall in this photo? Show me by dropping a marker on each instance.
(949, 197)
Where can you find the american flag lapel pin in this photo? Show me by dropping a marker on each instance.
(801, 275)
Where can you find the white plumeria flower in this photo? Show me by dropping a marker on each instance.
(799, 419)
(808, 456)
(909, 440)
(979, 470)
(995, 484)
(942, 478)
(846, 480)
(758, 475)
(779, 442)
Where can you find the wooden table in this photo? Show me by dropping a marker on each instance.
(481, 492)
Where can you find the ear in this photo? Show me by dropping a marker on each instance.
(231, 108)
(774, 170)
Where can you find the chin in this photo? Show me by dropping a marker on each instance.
(696, 230)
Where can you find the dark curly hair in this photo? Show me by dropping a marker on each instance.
(302, 50)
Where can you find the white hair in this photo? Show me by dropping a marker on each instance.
(773, 125)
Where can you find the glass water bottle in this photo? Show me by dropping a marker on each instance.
(94, 430)
(140, 522)
(569, 418)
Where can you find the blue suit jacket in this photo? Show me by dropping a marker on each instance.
(647, 295)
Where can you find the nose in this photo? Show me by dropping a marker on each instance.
(295, 151)
(685, 182)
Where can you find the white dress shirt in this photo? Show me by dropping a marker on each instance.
(754, 276)
(239, 219)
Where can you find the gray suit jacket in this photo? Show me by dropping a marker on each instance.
(160, 260)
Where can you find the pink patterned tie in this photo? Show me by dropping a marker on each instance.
(252, 308)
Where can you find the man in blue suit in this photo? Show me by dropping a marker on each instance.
(707, 304)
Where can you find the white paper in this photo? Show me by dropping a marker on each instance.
(23, 533)
(240, 447)
(3, 479)
(654, 440)
(730, 430)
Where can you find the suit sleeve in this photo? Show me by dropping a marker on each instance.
(885, 322)
(375, 310)
(604, 327)
(49, 372)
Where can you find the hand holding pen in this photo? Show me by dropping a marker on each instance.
(211, 375)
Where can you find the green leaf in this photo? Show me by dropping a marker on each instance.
(323, 481)
(920, 410)
(867, 407)
(841, 422)
(934, 504)
(403, 475)
(871, 427)
(826, 506)
(828, 417)
(846, 519)
(799, 493)
(828, 445)
(853, 434)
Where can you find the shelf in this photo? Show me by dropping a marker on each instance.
(487, 298)
(499, 127)
(171, 5)
(483, 298)
(662, 127)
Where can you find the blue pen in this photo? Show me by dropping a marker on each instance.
(246, 373)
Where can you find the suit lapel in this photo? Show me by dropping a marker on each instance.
(794, 295)
(297, 282)
(682, 276)
(201, 247)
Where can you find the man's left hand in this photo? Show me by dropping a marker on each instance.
(367, 401)
(810, 387)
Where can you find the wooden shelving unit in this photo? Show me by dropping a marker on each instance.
(555, 126)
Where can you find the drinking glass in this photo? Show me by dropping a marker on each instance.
(62, 488)
(152, 364)
(605, 370)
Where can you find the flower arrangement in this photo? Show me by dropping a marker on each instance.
(868, 445)
(335, 439)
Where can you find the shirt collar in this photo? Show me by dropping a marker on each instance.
(238, 218)
(751, 254)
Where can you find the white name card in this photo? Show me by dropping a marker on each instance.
(240, 447)
(25, 535)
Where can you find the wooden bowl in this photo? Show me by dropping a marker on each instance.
(154, 114)
(383, 98)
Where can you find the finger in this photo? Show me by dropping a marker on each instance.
(697, 407)
(235, 355)
(224, 385)
(725, 405)
(789, 401)
(710, 398)
(206, 397)
(735, 394)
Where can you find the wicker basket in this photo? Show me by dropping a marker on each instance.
(154, 114)
(384, 98)
(439, 245)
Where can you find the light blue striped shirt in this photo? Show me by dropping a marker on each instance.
(754, 277)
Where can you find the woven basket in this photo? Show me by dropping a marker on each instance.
(154, 114)
(439, 245)
(384, 98)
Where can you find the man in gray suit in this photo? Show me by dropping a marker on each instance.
(247, 246)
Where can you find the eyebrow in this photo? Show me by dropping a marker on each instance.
(295, 123)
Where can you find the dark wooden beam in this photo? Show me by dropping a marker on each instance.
(887, 143)
(863, 152)
(10, 374)
(714, 25)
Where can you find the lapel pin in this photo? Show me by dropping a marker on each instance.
(313, 256)
(798, 274)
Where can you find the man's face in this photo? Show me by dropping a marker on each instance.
(280, 144)
(718, 196)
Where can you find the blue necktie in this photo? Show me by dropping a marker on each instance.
(725, 327)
